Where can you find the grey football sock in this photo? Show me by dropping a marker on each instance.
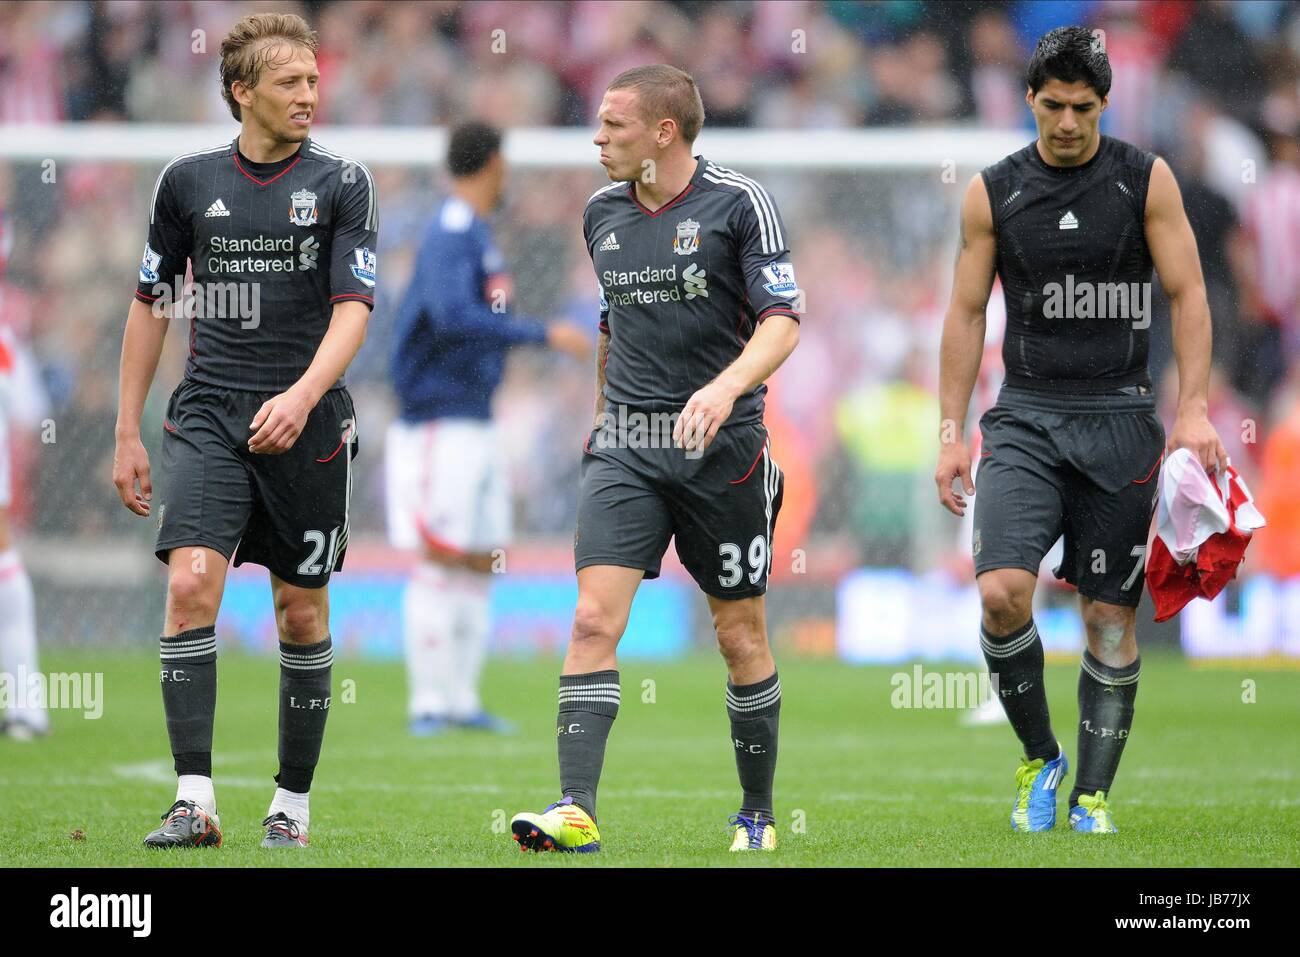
(588, 705)
(304, 705)
(1106, 697)
(1016, 665)
(755, 713)
(189, 691)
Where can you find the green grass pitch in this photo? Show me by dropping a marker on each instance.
(1206, 780)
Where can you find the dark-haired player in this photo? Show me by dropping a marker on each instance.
(445, 468)
(1072, 224)
(697, 310)
(259, 437)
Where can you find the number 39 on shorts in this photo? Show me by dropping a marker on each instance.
(732, 571)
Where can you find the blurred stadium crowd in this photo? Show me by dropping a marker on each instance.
(1214, 87)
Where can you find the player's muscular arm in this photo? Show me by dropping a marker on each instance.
(1173, 249)
(710, 407)
(142, 344)
(962, 345)
(602, 353)
(281, 418)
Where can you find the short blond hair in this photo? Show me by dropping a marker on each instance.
(246, 50)
(665, 91)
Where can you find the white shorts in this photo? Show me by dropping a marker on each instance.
(449, 474)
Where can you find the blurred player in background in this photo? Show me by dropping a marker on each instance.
(447, 487)
(1073, 445)
(697, 311)
(261, 432)
(26, 718)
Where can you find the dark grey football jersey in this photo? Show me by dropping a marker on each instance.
(1067, 230)
(272, 248)
(684, 287)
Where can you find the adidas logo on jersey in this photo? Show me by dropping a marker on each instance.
(610, 244)
(1068, 221)
(217, 209)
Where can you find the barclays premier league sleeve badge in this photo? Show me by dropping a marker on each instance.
(780, 280)
(364, 269)
(149, 265)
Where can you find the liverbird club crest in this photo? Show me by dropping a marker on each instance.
(302, 208)
(687, 240)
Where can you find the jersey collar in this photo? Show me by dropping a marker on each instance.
(1068, 170)
(264, 174)
(696, 178)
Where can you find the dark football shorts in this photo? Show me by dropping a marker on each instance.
(1083, 467)
(288, 512)
(719, 507)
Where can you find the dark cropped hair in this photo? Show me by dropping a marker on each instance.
(664, 91)
(470, 147)
(1069, 54)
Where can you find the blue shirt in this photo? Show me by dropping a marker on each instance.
(451, 339)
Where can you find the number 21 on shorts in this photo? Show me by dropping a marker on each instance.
(316, 538)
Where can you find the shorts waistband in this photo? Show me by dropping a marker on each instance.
(1083, 403)
(190, 381)
(1113, 383)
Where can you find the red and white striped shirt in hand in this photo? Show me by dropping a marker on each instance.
(1200, 532)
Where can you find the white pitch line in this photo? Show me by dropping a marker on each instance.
(160, 772)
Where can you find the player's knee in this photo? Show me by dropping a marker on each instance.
(1006, 603)
(594, 626)
(192, 598)
(300, 620)
(739, 649)
(741, 638)
(1107, 626)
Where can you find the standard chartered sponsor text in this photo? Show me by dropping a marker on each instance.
(258, 244)
(614, 278)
